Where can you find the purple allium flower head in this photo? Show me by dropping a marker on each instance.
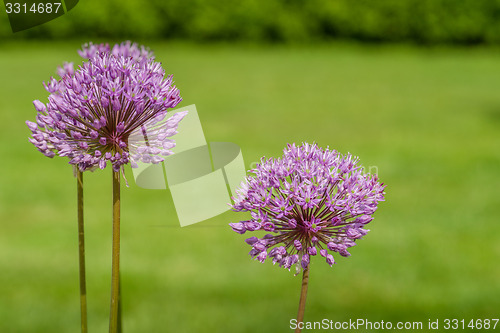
(317, 200)
(110, 109)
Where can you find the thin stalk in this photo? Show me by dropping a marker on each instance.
(115, 264)
(119, 325)
(81, 252)
(302, 301)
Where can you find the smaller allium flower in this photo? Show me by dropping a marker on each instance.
(93, 111)
(310, 201)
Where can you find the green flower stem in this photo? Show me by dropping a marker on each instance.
(303, 296)
(81, 252)
(119, 328)
(115, 264)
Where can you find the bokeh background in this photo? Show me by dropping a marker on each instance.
(412, 87)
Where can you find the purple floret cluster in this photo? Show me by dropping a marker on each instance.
(93, 112)
(309, 201)
(125, 49)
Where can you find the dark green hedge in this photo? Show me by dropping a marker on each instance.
(422, 21)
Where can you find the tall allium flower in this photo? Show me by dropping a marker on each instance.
(93, 110)
(110, 109)
(310, 201)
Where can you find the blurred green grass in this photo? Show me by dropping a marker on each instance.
(427, 119)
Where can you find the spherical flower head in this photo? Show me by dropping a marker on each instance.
(94, 113)
(310, 200)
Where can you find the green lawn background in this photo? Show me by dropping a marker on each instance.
(428, 119)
